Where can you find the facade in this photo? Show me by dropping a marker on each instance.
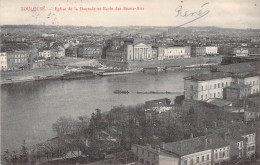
(46, 53)
(116, 49)
(139, 52)
(236, 91)
(206, 86)
(154, 53)
(3, 61)
(241, 52)
(196, 151)
(250, 144)
(252, 79)
(251, 114)
(149, 156)
(57, 53)
(177, 52)
(211, 50)
(198, 51)
(161, 53)
(71, 52)
(118, 55)
(17, 59)
(90, 51)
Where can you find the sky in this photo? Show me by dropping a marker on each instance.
(240, 14)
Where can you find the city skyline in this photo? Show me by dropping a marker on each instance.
(232, 14)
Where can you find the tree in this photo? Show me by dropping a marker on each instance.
(65, 125)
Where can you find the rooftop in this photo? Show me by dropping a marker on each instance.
(238, 86)
(208, 76)
(194, 145)
(219, 102)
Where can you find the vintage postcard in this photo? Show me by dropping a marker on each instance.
(130, 82)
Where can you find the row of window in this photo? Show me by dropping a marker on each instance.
(203, 158)
(222, 154)
(211, 95)
(222, 85)
(17, 60)
(20, 55)
(252, 83)
(251, 148)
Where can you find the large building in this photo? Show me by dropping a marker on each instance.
(249, 78)
(176, 52)
(46, 53)
(3, 61)
(211, 50)
(90, 51)
(116, 49)
(206, 86)
(203, 51)
(139, 52)
(205, 150)
(236, 92)
(150, 156)
(17, 59)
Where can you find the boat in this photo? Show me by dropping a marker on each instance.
(121, 92)
(77, 75)
(110, 73)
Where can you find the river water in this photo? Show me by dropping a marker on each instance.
(28, 110)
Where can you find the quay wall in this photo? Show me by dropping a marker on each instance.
(136, 65)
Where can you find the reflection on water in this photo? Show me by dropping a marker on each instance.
(29, 109)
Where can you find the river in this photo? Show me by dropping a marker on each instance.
(28, 110)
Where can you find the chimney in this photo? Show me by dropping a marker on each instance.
(206, 143)
(191, 135)
(149, 146)
(163, 145)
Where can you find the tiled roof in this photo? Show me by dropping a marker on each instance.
(219, 102)
(186, 147)
(209, 76)
(238, 86)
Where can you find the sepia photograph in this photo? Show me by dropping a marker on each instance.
(130, 82)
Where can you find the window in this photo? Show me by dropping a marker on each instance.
(201, 97)
(198, 159)
(216, 155)
(218, 94)
(206, 97)
(223, 154)
(222, 85)
(253, 148)
(143, 151)
(207, 157)
(191, 161)
(202, 159)
(185, 162)
(142, 161)
(201, 88)
(214, 95)
(148, 154)
(215, 86)
(226, 84)
(218, 85)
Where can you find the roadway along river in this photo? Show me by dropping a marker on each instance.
(28, 110)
